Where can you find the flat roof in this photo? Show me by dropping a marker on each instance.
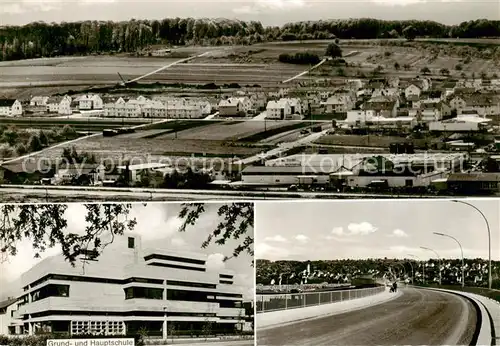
(330, 159)
(342, 173)
(389, 120)
(304, 170)
(480, 176)
(221, 182)
(467, 119)
(440, 180)
(140, 166)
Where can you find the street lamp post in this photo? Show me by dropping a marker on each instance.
(423, 267)
(412, 272)
(439, 259)
(489, 236)
(461, 251)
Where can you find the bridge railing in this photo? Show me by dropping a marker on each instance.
(277, 302)
(287, 288)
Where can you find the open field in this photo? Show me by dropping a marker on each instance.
(116, 147)
(245, 65)
(364, 141)
(91, 124)
(144, 134)
(141, 150)
(271, 133)
(365, 57)
(234, 130)
(97, 70)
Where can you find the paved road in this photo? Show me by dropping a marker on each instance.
(48, 195)
(305, 72)
(418, 317)
(283, 148)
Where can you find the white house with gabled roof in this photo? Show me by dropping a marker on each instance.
(37, 101)
(60, 105)
(278, 110)
(10, 108)
(90, 102)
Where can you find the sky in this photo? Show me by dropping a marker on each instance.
(158, 225)
(374, 229)
(269, 12)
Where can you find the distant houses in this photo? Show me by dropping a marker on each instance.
(234, 107)
(10, 108)
(284, 109)
(339, 104)
(60, 105)
(141, 107)
(39, 101)
(90, 102)
(85, 173)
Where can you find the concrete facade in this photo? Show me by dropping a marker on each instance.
(8, 323)
(127, 288)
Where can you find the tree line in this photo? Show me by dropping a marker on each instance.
(266, 271)
(41, 39)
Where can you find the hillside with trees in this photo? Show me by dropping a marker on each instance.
(339, 271)
(40, 39)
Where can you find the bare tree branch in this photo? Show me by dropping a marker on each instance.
(236, 223)
(46, 225)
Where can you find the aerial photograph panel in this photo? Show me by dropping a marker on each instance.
(125, 101)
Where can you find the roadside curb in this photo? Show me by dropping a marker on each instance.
(313, 315)
(486, 334)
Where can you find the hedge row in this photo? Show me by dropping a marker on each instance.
(41, 340)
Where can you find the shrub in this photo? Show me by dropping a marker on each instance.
(333, 50)
(41, 340)
(21, 149)
(34, 143)
(68, 131)
(5, 151)
(301, 58)
(425, 70)
(444, 71)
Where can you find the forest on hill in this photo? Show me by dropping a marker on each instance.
(41, 39)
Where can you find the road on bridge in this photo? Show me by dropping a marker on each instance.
(417, 317)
